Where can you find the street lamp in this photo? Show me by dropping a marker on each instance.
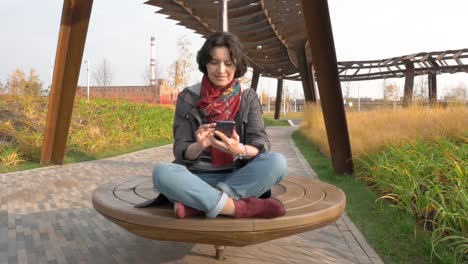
(358, 99)
(87, 75)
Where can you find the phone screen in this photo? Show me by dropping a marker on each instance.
(226, 127)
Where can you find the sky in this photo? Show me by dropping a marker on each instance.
(120, 32)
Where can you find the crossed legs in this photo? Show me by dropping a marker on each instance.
(232, 193)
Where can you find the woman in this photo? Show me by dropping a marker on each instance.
(213, 174)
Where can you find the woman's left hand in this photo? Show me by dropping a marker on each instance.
(229, 145)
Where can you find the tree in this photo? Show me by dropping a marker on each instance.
(346, 89)
(20, 84)
(457, 94)
(182, 66)
(421, 88)
(2, 87)
(391, 92)
(103, 74)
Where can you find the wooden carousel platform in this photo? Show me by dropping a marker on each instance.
(309, 203)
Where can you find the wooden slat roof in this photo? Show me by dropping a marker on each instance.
(271, 30)
(437, 62)
(268, 39)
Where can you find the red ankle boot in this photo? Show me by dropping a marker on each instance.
(255, 207)
(182, 211)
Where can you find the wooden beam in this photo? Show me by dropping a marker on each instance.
(71, 41)
(255, 78)
(307, 85)
(322, 47)
(279, 97)
(432, 83)
(409, 81)
(310, 71)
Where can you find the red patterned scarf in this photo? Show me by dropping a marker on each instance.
(219, 105)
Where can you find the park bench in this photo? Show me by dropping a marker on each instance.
(309, 203)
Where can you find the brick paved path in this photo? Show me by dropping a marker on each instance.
(46, 216)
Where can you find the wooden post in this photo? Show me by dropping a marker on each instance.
(307, 83)
(279, 97)
(409, 81)
(71, 41)
(318, 24)
(310, 71)
(219, 252)
(255, 79)
(432, 83)
(222, 19)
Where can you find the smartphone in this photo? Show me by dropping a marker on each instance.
(226, 127)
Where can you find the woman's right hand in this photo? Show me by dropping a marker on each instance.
(204, 133)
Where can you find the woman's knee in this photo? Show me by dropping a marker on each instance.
(163, 175)
(277, 160)
(278, 163)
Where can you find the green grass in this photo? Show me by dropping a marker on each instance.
(80, 156)
(274, 122)
(99, 128)
(390, 231)
(28, 165)
(289, 115)
(427, 178)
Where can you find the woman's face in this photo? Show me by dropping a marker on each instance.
(221, 68)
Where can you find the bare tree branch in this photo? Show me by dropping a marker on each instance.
(102, 75)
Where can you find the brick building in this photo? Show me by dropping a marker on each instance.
(162, 93)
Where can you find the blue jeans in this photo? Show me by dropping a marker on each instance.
(209, 192)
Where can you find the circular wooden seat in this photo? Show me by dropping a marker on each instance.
(309, 204)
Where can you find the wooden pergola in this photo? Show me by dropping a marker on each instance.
(274, 34)
(407, 66)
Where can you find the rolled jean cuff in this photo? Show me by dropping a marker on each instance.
(219, 206)
(228, 190)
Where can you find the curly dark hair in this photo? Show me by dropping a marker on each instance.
(223, 39)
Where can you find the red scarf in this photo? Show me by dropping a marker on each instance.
(219, 105)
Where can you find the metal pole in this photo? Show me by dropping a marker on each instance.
(358, 99)
(284, 104)
(295, 103)
(87, 76)
(268, 102)
(222, 16)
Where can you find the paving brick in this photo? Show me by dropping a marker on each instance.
(46, 216)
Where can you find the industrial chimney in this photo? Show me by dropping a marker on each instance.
(153, 61)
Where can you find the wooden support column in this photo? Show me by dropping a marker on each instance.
(313, 89)
(255, 79)
(432, 83)
(409, 82)
(310, 71)
(307, 83)
(71, 41)
(279, 97)
(222, 19)
(322, 46)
